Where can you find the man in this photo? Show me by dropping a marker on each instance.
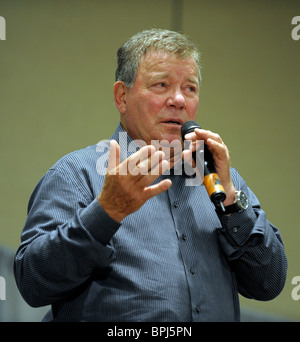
(121, 237)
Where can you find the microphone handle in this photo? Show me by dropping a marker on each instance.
(212, 182)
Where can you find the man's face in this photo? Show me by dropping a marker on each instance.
(163, 97)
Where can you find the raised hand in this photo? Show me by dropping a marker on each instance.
(127, 185)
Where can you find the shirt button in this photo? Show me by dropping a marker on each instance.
(197, 308)
(183, 237)
(175, 204)
(192, 270)
(235, 229)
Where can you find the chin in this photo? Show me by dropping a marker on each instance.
(171, 137)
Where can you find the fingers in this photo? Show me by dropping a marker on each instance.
(142, 168)
(156, 189)
(128, 185)
(201, 134)
(213, 141)
(146, 161)
(187, 156)
(218, 149)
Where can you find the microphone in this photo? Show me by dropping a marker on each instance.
(211, 179)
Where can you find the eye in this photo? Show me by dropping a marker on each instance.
(192, 89)
(160, 86)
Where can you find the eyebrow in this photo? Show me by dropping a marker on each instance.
(193, 80)
(163, 75)
(158, 76)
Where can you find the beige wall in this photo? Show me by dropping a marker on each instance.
(57, 71)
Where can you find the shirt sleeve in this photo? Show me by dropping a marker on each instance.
(254, 248)
(66, 227)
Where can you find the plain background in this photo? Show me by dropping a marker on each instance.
(57, 68)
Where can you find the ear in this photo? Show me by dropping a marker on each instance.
(120, 92)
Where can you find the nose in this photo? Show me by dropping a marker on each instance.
(176, 100)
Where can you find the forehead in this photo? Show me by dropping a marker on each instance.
(159, 62)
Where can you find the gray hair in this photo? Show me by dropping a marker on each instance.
(131, 52)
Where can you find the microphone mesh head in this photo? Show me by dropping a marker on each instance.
(188, 127)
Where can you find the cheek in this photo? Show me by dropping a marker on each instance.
(155, 104)
(150, 110)
(193, 108)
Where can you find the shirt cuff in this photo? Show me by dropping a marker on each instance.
(98, 223)
(239, 228)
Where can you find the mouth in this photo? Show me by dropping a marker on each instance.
(173, 122)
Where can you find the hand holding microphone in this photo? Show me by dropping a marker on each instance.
(217, 178)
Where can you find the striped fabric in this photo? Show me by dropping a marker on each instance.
(172, 260)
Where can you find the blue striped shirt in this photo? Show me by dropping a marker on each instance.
(172, 260)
